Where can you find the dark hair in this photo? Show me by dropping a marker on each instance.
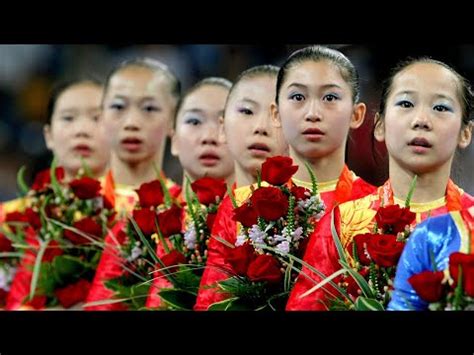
(61, 87)
(464, 91)
(155, 66)
(211, 81)
(317, 54)
(259, 70)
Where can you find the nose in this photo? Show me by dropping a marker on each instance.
(261, 123)
(421, 120)
(132, 120)
(313, 113)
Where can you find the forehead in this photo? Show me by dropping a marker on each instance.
(80, 94)
(426, 77)
(312, 73)
(206, 94)
(136, 81)
(259, 88)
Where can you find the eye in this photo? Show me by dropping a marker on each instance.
(117, 106)
(442, 108)
(404, 104)
(296, 97)
(193, 121)
(330, 97)
(245, 111)
(67, 118)
(151, 108)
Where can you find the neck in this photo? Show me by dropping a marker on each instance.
(242, 177)
(430, 186)
(134, 174)
(325, 169)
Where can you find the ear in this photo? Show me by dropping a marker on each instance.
(358, 115)
(465, 136)
(221, 136)
(48, 137)
(379, 129)
(174, 144)
(275, 114)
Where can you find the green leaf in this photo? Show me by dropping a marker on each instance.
(223, 241)
(359, 279)
(67, 267)
(222, 305)
(259, 178)
(287, 281)
(337, 240)
(314, 181)
(410, 191)
(54, 181)
(231, 284)
(368, 304)
(20, 180)
(230, 193)
(37, 267)
(178, 299)
(87, 170)
(166, 191)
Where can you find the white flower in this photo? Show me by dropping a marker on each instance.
(136, 252)
(190, 237)
(298, 234)
(283, 247)
(6, 277)
(241, 239)
(257, 236)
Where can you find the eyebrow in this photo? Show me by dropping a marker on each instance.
(248, 100)
(438, 96)
(325, 86)
(194, 110)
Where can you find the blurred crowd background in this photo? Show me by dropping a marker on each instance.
(27, 73)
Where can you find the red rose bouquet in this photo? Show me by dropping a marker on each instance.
(366, 279)
(452, 289)
(66, 222)
(276, 221)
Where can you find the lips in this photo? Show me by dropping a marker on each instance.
(420, 145)
(209, 159)
(259, 149)
(313, 134)
(131, 143)
(420, 142)
(83, 150)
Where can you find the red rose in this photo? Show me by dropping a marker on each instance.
(278, 170)
(33, 218)
(5, 244)
(466, 262)
(43, 178)
(70, 295)
(170, 221)
(428, 285)
(384, 249)
(145, 219)
(245, 214)
(361, 241)
(209, 190)
(265, 268)
(53, 250)
(85, 188)
(300, 193)
(211, 217)
(270, 203)
(174, 257)
(393, 219)
(150, 194)
(38, 302)
(240, 258)
(352, 286)
(86, 225)
(3, 297)
(17, 217)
